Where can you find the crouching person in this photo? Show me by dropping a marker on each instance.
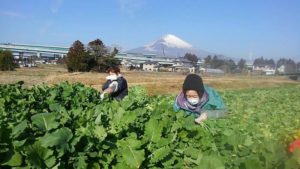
(115, 86)
(199, 100)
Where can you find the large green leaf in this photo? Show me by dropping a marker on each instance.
(253, 163)
(160, 154)
(121, 119)
(18, 129)
(211, 162)
(100, 132)
(15, 160)
(193, 153)
(131, 153)
(39, 157)
(133, 158)
(153, 130)
(18, 143)
(59, 138)
(44, 121)
(80, 162)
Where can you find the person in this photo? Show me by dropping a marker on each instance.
(199, 100)
(115, 86)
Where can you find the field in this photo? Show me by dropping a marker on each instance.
(155, 83)
(65, 125)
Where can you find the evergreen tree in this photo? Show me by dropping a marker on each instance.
(7, 61)
(191, 57)
(242, 64)
(77, 58)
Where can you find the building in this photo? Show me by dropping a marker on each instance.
(137, 60)
(267, 69)
(269, 72)
(281, 69)
(201, 62)
(151, 66)
(263, 67)
(151, 62)
(214, 72)
(21, 50)
(183, 67)
(288, 68)
(30, 55)
(249, 66)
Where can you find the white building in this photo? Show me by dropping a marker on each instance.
(269, 72)
(281, 69)
(265, 69)
(150, 66)
(183, 67)
(214, 72)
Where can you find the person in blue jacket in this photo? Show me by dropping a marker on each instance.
(199, 100)
(115, 86)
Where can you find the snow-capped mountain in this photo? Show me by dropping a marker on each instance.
(170, 46)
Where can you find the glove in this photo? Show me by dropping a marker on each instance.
(114, 86)
(102, 96)
(201, 118)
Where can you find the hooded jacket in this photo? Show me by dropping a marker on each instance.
(211, 103)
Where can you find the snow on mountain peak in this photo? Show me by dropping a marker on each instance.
(173, 41)
(169, 40)
(170, 46)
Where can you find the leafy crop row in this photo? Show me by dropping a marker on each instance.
(67, 126)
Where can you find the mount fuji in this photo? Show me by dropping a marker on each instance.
(170, 46)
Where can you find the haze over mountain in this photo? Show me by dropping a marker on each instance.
(170, 46)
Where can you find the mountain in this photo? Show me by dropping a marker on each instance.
(170, 46)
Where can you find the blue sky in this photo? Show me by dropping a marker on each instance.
(235, 28)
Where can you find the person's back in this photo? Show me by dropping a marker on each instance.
(116, 85)
(122, 90)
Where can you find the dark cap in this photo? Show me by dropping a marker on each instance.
(193, 82)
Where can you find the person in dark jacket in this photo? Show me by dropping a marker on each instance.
(115, 85)
(199, 100)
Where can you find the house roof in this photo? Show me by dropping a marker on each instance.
(184, 65)
(214, 71)
(151, 62)
(182, 59)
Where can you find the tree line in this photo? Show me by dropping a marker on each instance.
(218, 62)
(229, 66)
(289, 64)
(96, 57)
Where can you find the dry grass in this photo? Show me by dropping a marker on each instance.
(31, 76)
(156, 83)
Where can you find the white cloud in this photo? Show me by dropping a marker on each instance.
(131, 6)
(55, 6)
(11, 14)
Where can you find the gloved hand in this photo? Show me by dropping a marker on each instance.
(102, 96)
(201, 118)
